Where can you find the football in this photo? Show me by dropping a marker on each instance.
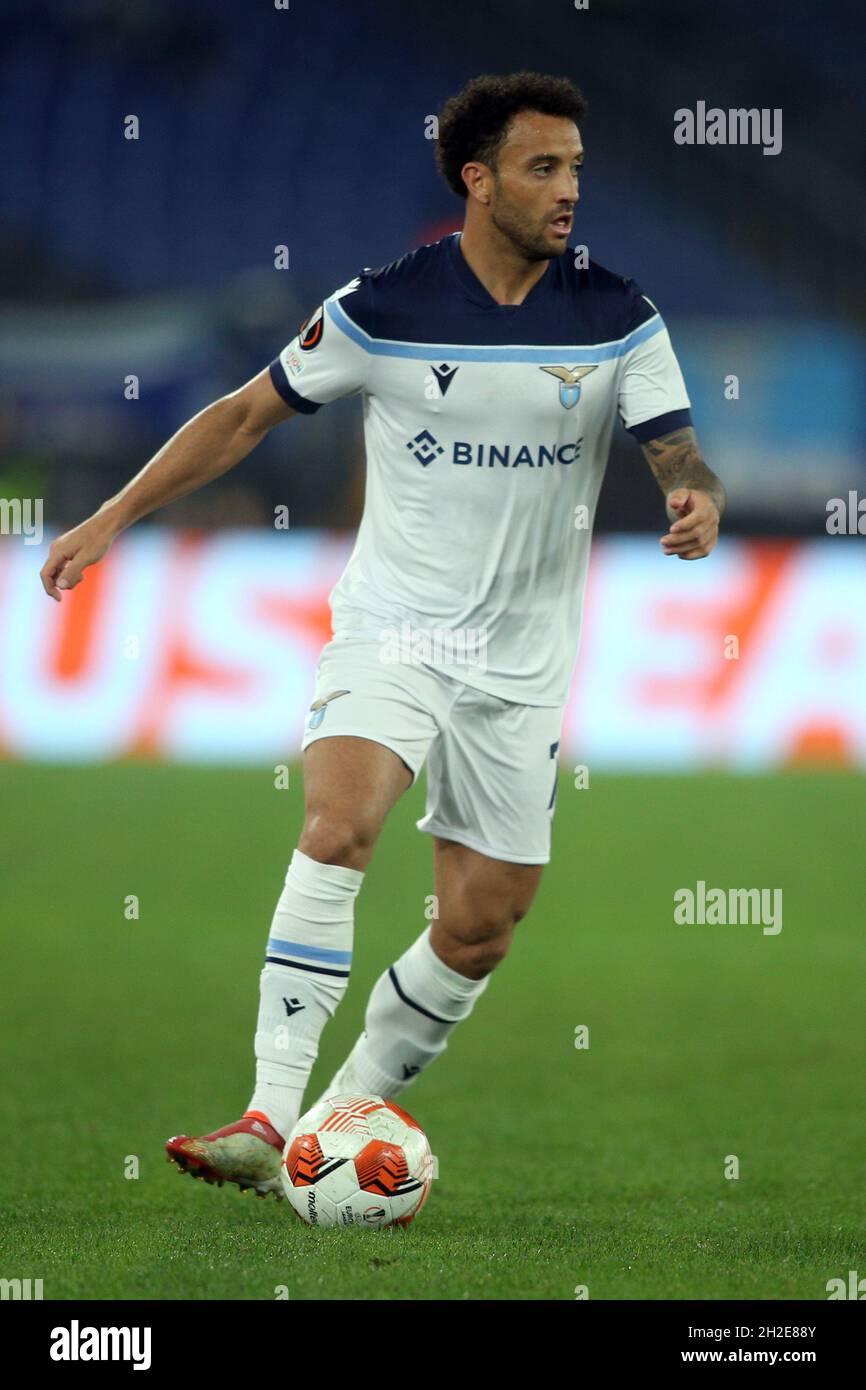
(357, 1161)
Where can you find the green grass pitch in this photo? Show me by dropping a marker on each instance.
(559, 1167)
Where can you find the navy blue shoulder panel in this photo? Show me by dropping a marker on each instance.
(408, 284)
(607, 305)
(431, 295)
(358, 304)
(616, 300)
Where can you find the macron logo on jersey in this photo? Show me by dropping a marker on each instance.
(444, 375)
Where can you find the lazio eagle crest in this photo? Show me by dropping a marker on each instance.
(569, 382)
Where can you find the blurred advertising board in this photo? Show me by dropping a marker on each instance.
(202, 648)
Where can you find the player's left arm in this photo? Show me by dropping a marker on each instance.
(694, 496)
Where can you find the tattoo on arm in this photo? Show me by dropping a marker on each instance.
(676, 461)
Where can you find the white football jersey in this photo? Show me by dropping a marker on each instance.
(487, 431)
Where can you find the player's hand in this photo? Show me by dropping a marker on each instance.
(695, 528)
(71, 553)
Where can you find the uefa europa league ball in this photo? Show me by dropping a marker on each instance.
(357, 1161)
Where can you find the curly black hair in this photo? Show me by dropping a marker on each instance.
(474, 123)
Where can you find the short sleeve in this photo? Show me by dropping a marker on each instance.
(328, 357)
(652, 393)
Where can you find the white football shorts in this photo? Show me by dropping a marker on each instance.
(491, 764)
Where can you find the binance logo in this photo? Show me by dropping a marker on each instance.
(425, 447)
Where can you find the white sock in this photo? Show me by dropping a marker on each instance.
(306, 973)
(412, 1010)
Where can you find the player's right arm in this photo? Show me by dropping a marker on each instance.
(207, 446)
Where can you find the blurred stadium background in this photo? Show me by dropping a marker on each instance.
(154, 258)
(195, 641)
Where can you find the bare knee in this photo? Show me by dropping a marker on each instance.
(333, 838)
(475, 949)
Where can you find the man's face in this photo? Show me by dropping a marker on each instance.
(535, 183)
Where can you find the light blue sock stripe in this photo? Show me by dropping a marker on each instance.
(297, 948)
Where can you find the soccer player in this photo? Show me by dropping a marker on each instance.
(492, 366)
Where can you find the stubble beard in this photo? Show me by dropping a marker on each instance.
(523, 235)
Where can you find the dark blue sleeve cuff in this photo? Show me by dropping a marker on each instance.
(661, 424)
(288, 392)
